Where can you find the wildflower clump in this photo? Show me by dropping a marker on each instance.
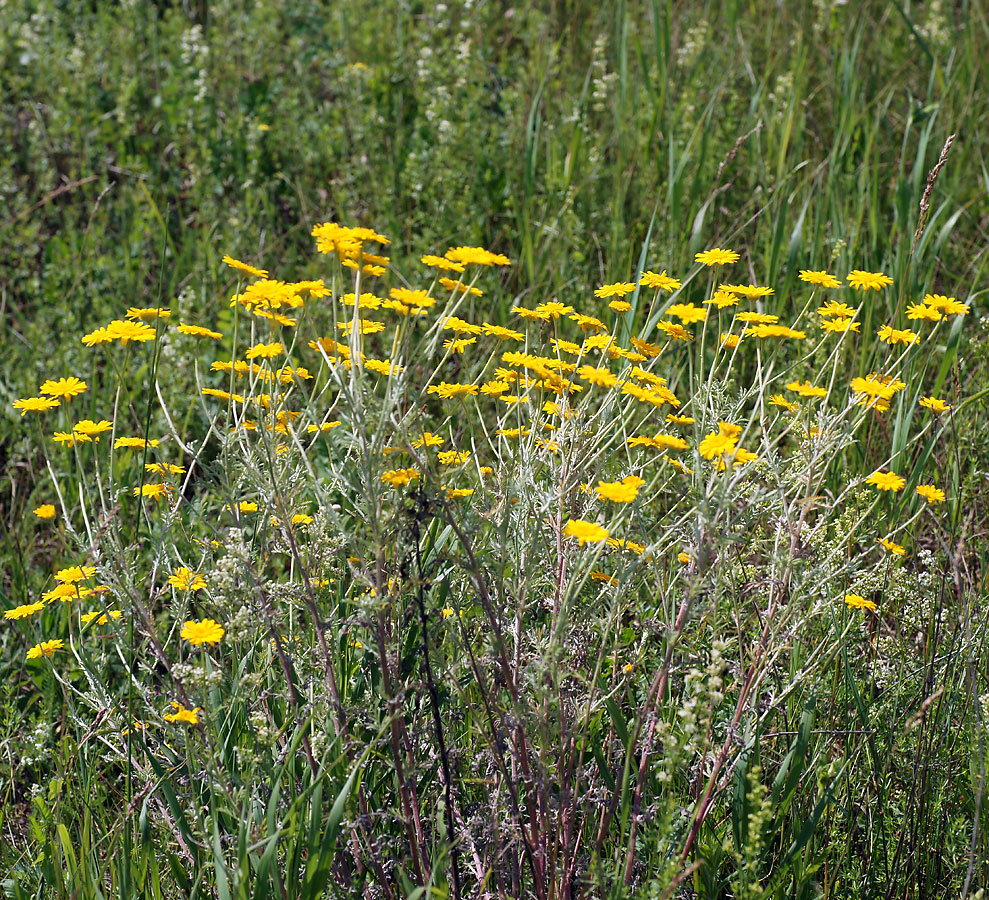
(403, 553)
(205, 632)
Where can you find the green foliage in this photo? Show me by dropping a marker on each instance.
(586, 141)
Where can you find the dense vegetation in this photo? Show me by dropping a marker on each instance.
(604, 561)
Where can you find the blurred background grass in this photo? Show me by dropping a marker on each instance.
(137, 132)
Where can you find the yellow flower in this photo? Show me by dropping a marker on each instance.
(452, 457)
(222, 395)
(35, 404)
(659, 442)
(530, 315)
(415, 298)
(897, 336)
(152, 491)
(99, 336)
(477, 256)
(553, 309)
(133, 443)
(101, 617)
(833, 309)
(683, 558)
(66, 388)
(23, 611)
(687, 313)
(876, 390)
(585, 532)
(269, 294)
(70, 591)
(631, 546)
(438, 262)
(886, 481)
(181, 714)
(184, 579)
(822, 278)
(680, 420)
(719, 443)
(246, 267)
(854, 601)
(297, 519)
(565, 346)
(675, 331)
(781, 401)
(452, 391)
(460, 326)
(716, 257)
(657, 396)
(345, 241)
(154, 312)
(934, 405)
(164, 469)
(502, 334)
(597, 376)
(90, 428)
(866, 281)
(618, 289)
(650, 351)
(749, 291)
(45, 511)
(661, 282)
(618, 491)
(922, 311)
(648, 377)
(428, 439)
(45, 648)
(754, 318)
(275, 317)
(620, 306)
(72, 574)
(776, 331)
(266, 351)
(587, 323)
(457, 286)
(738, 456)
(205, 632)
(399, 477)
(64, 592)
(947, 305)
(930, 493)
(895, 549)
(199, 331)
(841, 325)
(458, 345)
(723, 299)
(124, 332)
(953, 308)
